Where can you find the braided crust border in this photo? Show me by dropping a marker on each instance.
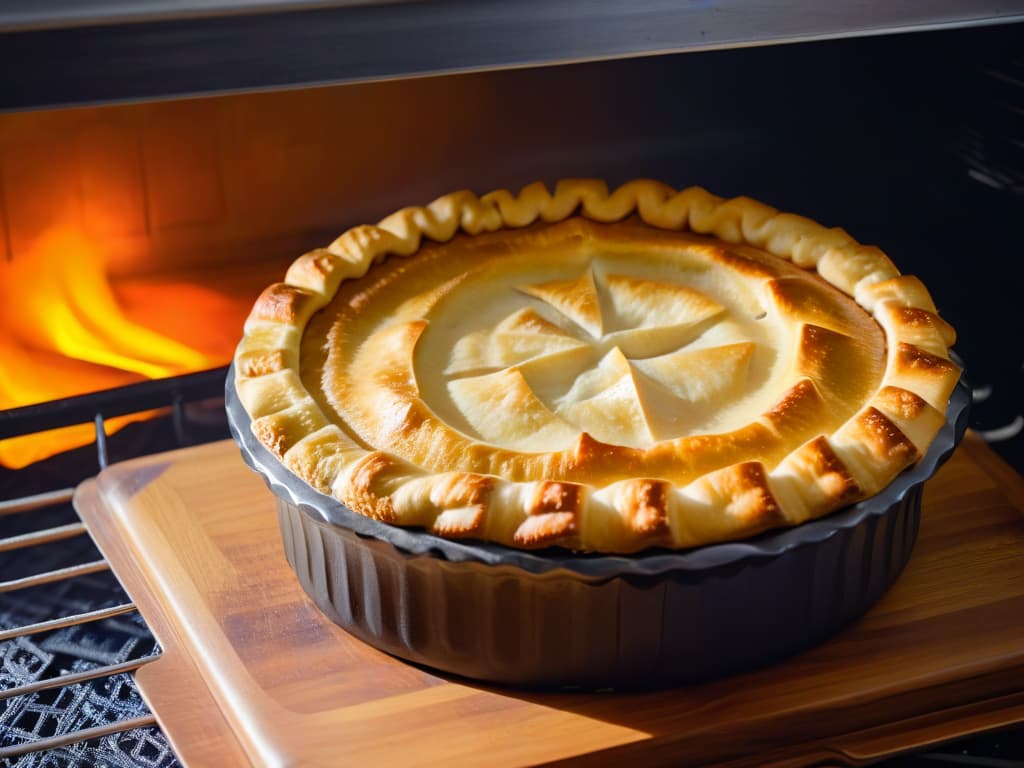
(888, 434)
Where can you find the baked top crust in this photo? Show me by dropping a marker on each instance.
(603, 371)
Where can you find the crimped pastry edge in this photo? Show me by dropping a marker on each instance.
(293, 490)
(892, 431)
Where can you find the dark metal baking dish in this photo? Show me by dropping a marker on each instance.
(554, 618)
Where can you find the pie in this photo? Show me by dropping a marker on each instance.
(597, 370)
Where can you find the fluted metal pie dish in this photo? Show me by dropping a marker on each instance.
(573, 421)
(554, 618)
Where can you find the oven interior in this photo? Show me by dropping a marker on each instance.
(135, 236)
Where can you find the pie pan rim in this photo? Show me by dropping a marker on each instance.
(418, 542)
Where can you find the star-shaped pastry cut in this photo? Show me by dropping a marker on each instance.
(626, 359)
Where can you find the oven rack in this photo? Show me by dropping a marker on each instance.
(170, 396)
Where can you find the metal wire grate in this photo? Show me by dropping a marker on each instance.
(70, 639)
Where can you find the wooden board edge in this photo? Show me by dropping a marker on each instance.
(860, 748)
(891, 740)
(914, 734)
(203, 736)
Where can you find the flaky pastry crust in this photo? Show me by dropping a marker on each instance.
(857, 375)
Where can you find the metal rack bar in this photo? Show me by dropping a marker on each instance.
(26, 503)
(53, 742)
(119, 401)
(66, 621)
(48, 577)
(44, 536)
(101, 441)
(77, 677)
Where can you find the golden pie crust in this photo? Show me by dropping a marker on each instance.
(602, 371)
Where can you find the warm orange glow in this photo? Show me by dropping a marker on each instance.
(66, 332)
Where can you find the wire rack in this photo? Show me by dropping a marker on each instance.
(67, 692)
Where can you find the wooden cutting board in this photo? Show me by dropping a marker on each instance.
(253, 674)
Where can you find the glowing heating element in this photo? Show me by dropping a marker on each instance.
(68, 331)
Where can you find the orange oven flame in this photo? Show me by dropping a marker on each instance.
(70, 330)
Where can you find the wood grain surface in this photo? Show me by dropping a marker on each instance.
(253, 674)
